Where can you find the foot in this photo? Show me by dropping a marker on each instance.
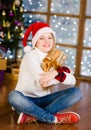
(23, 118)
(67, 117)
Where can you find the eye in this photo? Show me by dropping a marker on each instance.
(50, 38)
(41, 38)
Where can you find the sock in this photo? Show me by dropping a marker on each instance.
(55, 120)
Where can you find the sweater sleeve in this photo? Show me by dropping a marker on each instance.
(33, 66)
(65, 76)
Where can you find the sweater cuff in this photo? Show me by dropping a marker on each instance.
(61, 76)
(63, 69)
(61, 73)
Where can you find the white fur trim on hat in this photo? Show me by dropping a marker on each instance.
(40, 32)
(27, 48)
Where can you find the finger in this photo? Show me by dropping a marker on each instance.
(45, 84)
(42, 74)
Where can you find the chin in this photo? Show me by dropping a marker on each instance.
(46, 51)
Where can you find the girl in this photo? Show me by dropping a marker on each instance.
(42, 67)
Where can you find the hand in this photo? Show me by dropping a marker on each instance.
(46, 77)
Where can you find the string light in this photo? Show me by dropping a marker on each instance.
(31, 5)
(86, 63)
(11, 24)
(65, 6)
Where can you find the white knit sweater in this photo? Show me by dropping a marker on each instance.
(30, 69)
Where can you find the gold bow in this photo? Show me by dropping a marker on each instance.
(53, 60)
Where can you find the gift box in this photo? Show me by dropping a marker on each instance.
(3, 64)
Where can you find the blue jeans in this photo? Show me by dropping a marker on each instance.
(44, 108)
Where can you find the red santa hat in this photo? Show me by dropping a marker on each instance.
(36, 29)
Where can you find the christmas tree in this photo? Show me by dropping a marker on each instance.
(11, 24)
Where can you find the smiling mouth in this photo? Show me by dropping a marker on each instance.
(46, 45)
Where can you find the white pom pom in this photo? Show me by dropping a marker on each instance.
(27, 49)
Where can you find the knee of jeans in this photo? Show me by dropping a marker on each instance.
(78, 92)
(12, 97)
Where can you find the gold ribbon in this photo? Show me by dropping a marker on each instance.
(54, 60)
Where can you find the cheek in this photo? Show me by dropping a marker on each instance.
(51, 44)
(38, 44)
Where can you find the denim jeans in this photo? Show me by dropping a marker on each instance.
(44, 108)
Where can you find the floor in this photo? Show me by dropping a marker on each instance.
(8, 117)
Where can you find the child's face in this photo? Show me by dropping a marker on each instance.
(45, 42)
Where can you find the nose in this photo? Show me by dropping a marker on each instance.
(46, 39)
